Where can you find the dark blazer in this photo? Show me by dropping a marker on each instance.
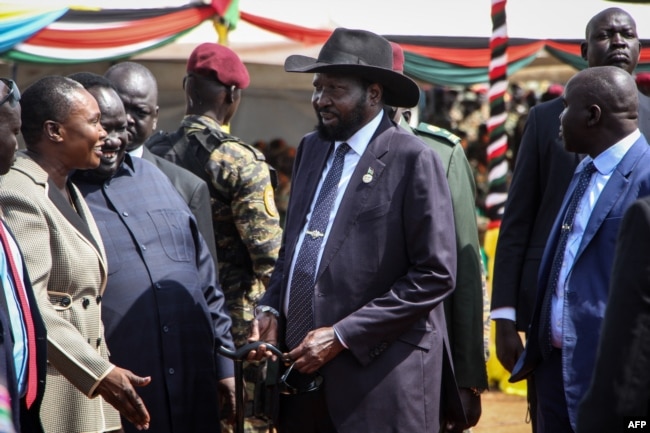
(588, 287)
(621, 381)
(25, 421)
(541, 175)
(389, 262)
(194, 191)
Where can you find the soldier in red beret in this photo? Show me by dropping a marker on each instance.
(246, 220)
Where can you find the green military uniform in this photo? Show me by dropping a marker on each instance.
(246, 225)
(464, 309)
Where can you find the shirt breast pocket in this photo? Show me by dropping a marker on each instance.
(175, 237)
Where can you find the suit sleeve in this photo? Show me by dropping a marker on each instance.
(215, 299)
(518, 220)
(621, 381)
(429, 246)
(272, 295)
(67, 349)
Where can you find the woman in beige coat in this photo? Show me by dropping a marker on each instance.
(65, 259)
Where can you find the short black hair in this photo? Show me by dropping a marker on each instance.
(49, 98)
(90, 80)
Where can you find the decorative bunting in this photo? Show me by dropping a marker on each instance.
(74, 35)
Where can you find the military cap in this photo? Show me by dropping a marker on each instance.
(220, 62)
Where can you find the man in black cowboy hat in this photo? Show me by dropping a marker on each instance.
(368, 256)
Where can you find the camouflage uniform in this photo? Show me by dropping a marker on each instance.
(246, 222)
(246, 227)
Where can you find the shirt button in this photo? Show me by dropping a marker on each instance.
(144, 248)
(126, 214)
(171, 371)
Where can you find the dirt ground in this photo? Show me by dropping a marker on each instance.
(502, 413)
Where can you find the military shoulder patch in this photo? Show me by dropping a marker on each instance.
(436, 132)
(269, 201)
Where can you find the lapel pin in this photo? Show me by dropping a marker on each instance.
(367, 178)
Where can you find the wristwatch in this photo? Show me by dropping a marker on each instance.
(267, 309)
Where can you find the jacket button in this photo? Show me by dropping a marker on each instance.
(165, 328)
(65, 301)
(171, 371)
(99, 299)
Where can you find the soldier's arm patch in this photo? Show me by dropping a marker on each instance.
(269, 201)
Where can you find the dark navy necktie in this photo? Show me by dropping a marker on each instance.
(300, 318)
(565, 231)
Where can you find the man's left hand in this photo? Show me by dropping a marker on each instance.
(471, 406)
(319, 347)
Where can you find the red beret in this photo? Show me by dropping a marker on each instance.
(643, 78)
(221, 62)
(398, 58)
(555, 89)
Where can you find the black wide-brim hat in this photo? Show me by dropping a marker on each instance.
(364, 54)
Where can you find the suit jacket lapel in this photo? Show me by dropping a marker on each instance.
(615, 188)
(302, 193)
(551, 244)
(77, 220)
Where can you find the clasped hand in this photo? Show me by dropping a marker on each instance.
(318, 347)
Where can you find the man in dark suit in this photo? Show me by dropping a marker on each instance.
(620, 386)
(138, 89)
(16, 357)
(368, 255)
(170, 292)
(600, 120)
(541, 176)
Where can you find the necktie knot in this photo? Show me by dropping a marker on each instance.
(342, 150)
(589, 169)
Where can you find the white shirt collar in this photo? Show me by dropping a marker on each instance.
(359, 141)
